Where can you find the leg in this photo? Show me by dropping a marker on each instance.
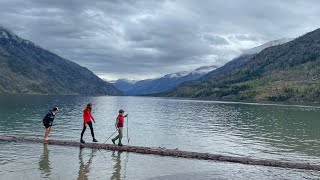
(116, 138)
(83, 130)
(49, 131)
(91, 129)
(120, 136)
(46, 134)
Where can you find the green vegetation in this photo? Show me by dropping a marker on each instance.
(28, 69)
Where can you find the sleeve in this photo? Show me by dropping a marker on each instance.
(91, 116)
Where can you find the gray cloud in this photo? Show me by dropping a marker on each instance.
(148, 38)
(215, 40)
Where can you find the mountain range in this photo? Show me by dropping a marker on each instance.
(26, 68)
(286, 72)
(170, 81)
(162, 84)
(282, 70)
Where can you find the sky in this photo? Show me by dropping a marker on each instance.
(139, 39)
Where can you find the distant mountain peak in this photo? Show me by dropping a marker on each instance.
(6, 34)
(200, 70)
(162, 83)
(258, 49)
(123, 80)
(9, 35)
(176, 75)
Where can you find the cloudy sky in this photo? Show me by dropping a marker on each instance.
(148, 38)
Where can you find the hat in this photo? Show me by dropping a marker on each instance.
(121, 111)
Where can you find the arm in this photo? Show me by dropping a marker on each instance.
(117, 121)
(92, 117)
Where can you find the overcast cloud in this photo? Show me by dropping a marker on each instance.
(148, 38)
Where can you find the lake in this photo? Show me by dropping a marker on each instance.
(260, 131)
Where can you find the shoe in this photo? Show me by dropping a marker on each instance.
(120, 144)
(82, 141)
(113, 141)
(94, 140)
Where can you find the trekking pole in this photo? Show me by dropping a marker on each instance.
(128, 130)
(110, 136)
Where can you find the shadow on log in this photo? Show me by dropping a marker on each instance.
(169, 152)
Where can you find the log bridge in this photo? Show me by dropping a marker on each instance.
(169, 152)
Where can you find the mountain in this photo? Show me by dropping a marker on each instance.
(26, 68)
(244, 57)
(123, 84)
(258, 49)
(287, 72)
(164, 83)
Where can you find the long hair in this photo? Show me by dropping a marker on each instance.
(88, 107)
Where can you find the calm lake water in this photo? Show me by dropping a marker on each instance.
(288, 133)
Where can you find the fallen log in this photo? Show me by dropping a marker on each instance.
(169, 152)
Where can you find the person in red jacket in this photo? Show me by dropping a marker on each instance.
(87, 117)
(119, 125)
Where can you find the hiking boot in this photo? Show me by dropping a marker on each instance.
(113, 141)
(94, 140)
(120, 144)
(82, 141)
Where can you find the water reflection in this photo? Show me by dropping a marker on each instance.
(44, 163)
(84, 168)
(116, 175)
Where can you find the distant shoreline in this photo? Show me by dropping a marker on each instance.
(262, 103)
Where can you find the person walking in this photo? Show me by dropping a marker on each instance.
(87, 120)
(48, 121)
(119, 126)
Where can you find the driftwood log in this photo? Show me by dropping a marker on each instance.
(169, 152)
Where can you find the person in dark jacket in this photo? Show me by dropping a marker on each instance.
(48, 121)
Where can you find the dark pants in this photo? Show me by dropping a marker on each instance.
(84, 129)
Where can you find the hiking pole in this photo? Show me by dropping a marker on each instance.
(128, 129)
(110, 136)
